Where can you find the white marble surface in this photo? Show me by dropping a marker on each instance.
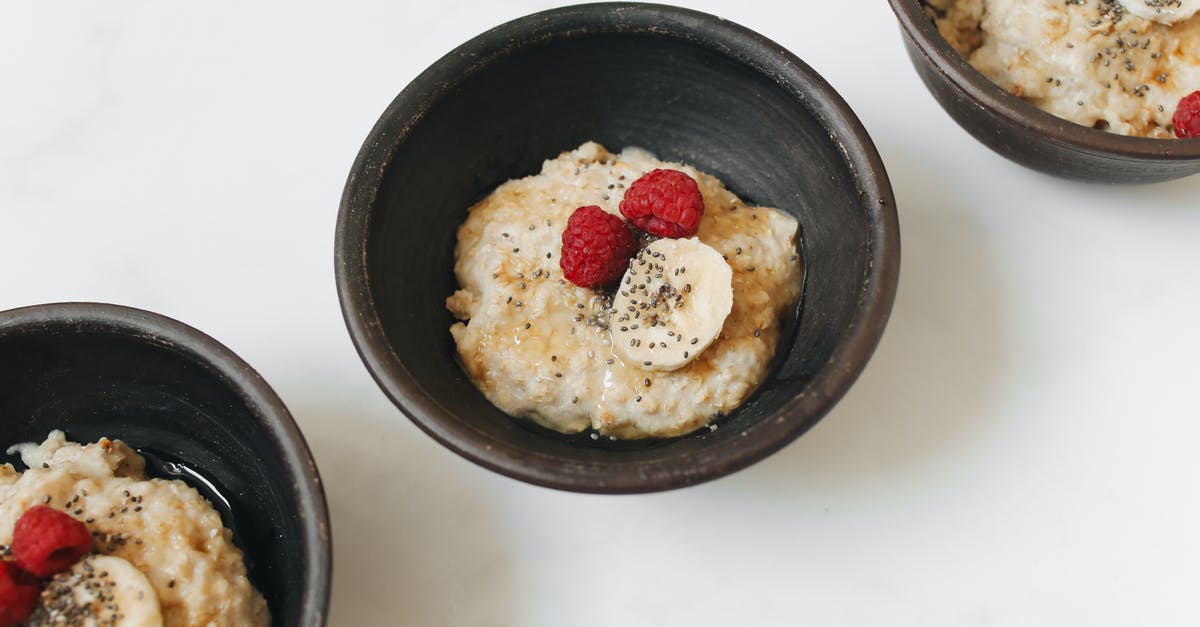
(1022, 450)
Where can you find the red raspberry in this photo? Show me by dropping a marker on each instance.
(1187, 116)
(596, 247)
(19, 594)
(47, 541)
(666, 203)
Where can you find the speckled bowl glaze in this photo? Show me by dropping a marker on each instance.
(179, 397)
(1025, 134)
(688, 86)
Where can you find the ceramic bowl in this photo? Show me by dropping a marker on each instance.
(196, 411)
(1025, 134)
(689, 87)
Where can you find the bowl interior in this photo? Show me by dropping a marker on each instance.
(681, 86)
(93, 379)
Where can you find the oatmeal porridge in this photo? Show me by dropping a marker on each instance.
(1120, 66)
(157, 540)
(541, 347)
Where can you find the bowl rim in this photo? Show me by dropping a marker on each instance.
(919, 29)
(714, 33)
(148, 327)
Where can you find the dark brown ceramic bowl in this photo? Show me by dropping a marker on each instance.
(196, 411)
(688, 86)
(1025, 134)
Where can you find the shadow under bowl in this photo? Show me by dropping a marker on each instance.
(687, 86)
(196, 411)
(1023, 133)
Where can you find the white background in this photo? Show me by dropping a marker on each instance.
(1022, 450)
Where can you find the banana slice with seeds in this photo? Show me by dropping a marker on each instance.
(99, 590)
(1162, 11)
(671, 304)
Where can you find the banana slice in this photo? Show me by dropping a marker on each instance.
(671, 304)
(99, 590)
(1162, 11)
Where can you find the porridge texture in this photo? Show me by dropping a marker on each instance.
(1119, 66)
(540, 347)
(171, 536)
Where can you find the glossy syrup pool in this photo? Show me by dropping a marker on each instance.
(161, 466)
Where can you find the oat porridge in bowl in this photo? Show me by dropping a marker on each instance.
(425, 281)
(173, 456)
(1091, 90)
(1131, 67)
(155, 551)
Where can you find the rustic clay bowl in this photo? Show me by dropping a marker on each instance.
(688, 86)
(1025, 134)
(197, 412)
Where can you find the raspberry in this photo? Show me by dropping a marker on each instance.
(666, 203)
(596, 247)
(47, 541)
(1187, 116)
(19, 594)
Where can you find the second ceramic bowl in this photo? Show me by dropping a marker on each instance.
(189, 405)
(1025, 134)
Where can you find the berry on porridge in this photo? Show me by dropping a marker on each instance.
(596, 247)
(1187, 116)
(667, 203)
